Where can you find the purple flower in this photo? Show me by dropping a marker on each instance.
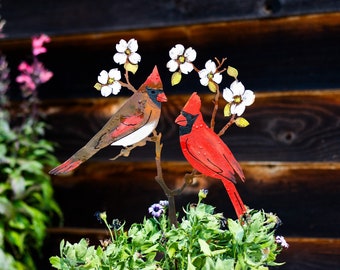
(164, 203)
(156, 210)
(281, 240)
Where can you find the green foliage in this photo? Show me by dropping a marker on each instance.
(26, 195)
(202, 240)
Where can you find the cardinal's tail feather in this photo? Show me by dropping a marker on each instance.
(235, 165)
(235, 198)
(68, 166)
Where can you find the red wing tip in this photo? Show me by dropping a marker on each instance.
(65, 167)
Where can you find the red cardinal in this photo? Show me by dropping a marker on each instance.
(133, 122)
(206, 152)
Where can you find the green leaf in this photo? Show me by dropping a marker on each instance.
(236, 230)
(224, 264)
(56, 262)
(226, 110)
(212, 86)
(6, 207)
(172, 250)
(19, 222)
(3, 150)
(190, 265)
(176, 78)
(98, 86)
(18, 185)
(204, 247)
(17, 239)
(131, 67)
(232, 72)
(241, 122)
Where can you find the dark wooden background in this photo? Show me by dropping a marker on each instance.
(287, 52)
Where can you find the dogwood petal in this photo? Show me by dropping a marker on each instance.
(204, 81)
(186, 67)
(103, 77)
(172, 65)
(190, 54)
(203, 73)
(176, 51)
(106, 91)
(133, 45)
(237, 88)
(210, 66)
(237, 109)
(248, 98)
(228, 95)
(217, 78)
(121, 46)
(120, 58)
(115, 74)
(134, 58)
(115, 88)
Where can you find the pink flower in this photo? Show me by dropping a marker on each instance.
(45, 75)
(24, 67)
(38, 42)
(27, 82)
(39, 50)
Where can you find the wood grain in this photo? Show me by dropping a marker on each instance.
(71, 16)
(304, 195)
(294, 53)
(285, 126)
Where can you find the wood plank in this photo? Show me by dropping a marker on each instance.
(304, 195)
(293, 53)
(285, 126)
(71, 16)
(311, 253)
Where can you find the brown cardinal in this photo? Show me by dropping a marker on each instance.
(133, 122)
(206, 152)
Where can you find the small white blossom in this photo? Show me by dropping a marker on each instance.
(209, 74)
(282, 241)
(127, 51)
(181, 58)
(110, 82)
(238, 97)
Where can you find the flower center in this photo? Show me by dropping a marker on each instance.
(127, 51)
(237, 99)
(181, 59)
(210, 76)
(110, 80)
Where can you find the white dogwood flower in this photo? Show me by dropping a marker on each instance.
(110, 82)
(127, 51)
(238, 97)
(209, 74)
(181, 58)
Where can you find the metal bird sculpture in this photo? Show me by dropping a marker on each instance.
(206, 152)
(133, 122)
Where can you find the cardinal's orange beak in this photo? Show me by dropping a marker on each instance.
(181, 120)
(162, 97)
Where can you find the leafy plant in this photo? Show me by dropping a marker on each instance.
(27, 205)
(203, 239)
